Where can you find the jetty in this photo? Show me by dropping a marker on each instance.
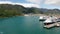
(52, 25)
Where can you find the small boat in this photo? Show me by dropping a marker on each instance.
(42, 18)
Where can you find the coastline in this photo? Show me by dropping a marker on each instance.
(58, 16)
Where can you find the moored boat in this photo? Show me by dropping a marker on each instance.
(42, 18)
(49, 22)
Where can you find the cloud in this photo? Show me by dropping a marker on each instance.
(5, 2)
(34, 1)
(28, 5)
(52, 2)
(23, 4)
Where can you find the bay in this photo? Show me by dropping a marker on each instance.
(25, 25)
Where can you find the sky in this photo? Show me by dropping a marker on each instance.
(49, 4)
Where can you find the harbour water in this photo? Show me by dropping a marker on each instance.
(25, 25)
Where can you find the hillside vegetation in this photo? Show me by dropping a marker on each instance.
(8, 10)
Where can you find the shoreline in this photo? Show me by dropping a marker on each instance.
(58, 16)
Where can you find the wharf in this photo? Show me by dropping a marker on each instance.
(52, 25)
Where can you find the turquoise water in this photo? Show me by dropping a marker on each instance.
(25, 25)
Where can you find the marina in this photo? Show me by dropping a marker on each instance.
(50, 22)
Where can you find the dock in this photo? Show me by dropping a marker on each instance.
(52, 25)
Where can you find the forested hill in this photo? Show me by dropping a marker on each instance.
(8, 10)
(11, 10)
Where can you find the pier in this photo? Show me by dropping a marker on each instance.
(52, 25)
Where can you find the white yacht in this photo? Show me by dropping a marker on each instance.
(50, 20)
(42, 18)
